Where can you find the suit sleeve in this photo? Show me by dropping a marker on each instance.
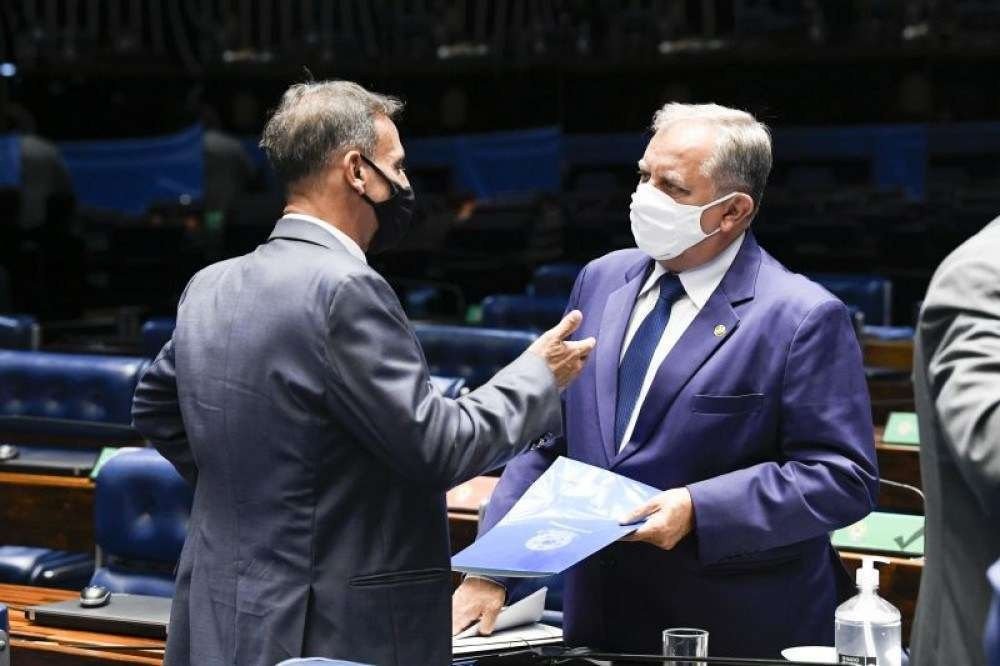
(380, 389)
(964, 374)
(156, 414)
(524, 470)
(826, 476)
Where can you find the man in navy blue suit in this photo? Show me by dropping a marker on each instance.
(729, 382)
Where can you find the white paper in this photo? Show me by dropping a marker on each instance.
(531, 635)
(526, 611)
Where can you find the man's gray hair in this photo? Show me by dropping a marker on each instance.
(741, 161)
(317, 122)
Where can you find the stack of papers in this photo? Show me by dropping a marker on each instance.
(512, 639)
(517, 626)
(571, 512)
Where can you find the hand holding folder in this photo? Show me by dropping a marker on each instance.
(571, 512)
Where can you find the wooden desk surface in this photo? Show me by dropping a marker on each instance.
(34, 644)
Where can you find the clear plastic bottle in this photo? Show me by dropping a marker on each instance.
(868, 630)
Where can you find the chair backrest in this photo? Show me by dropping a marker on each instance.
(554, 280)
(155, 333)
(474, 354)
(141, 512)
(871, 294)
(521, 311)
(43, 393)
(19, 332)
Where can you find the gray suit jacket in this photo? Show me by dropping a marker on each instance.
(295, 398)
(957, 383)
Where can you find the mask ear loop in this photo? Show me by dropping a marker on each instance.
(394, 187)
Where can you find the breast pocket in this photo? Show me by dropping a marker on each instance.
(727, 404)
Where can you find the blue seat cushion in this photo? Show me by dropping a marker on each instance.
(474, 354)
(155, 333)
(890, 332)
(871, 294)
(24, 565)
(554, 280)
(129, 580)
(68, 387)
(520, 311)
(141, 508)
(18, 332)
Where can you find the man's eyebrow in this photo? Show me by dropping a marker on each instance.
(671, 178)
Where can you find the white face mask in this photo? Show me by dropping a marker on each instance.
(663, 228)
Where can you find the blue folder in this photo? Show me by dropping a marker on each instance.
(571, 512)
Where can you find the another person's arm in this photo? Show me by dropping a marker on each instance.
(156, 414)
(379, 388)
(480, 599)
(964, 372)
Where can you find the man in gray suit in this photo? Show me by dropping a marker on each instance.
(295, 398)
(957, 383)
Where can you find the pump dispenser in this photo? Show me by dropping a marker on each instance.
(868, 629)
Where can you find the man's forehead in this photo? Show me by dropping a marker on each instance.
(389, 143)
(681, 141)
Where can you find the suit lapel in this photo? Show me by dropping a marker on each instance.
(614, 322)
(706, 334)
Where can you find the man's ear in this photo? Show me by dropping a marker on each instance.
(739, 210)
(352, 163)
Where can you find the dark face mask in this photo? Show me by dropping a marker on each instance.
(393, 215)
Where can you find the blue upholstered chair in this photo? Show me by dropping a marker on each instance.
(522, 311)
(992, 630)
(61, 396)
(141, 511)
(43, 393)
(870, 293)
(474, 354)
(554, 280)
(19, 332)
(43, 567)
(155, 333)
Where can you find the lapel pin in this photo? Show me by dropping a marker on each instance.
(719, 331)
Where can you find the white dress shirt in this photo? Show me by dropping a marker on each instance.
(699, 285)
(344, 239)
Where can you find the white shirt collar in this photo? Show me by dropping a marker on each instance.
(702, 281)
(344, 239)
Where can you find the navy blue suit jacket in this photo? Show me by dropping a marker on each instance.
(769, 426)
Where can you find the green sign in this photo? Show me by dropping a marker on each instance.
(887, 533)
(902, 428)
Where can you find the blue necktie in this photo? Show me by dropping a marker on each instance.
(632, 370)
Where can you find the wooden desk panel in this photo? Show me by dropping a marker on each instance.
(47, 511)
(900, 463)
(894, 354)
(36, 645)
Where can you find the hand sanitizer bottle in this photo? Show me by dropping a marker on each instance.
(867, 626)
